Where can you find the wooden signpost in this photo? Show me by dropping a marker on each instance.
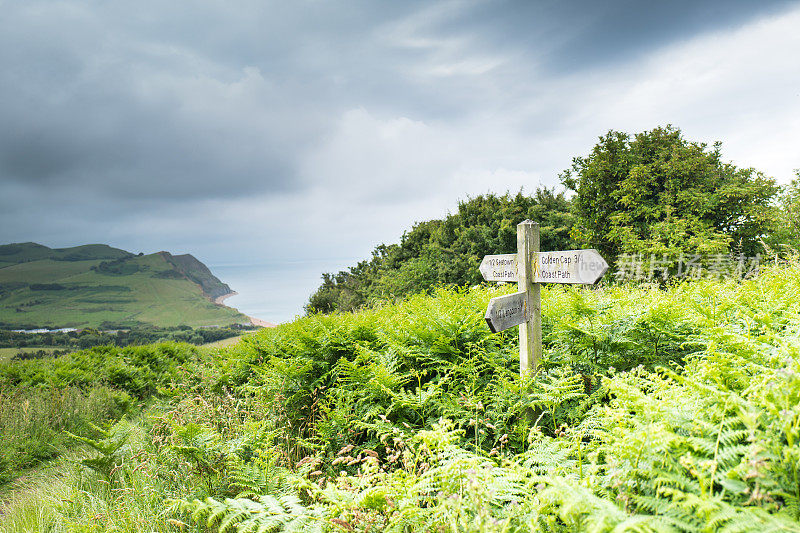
(530, 268)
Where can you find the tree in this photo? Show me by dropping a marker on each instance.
(447, 251)
(787, 227)
(657, 193)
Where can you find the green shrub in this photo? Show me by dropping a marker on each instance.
(137, 370)
(33, 421)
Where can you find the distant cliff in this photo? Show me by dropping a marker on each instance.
(92, 285)
(196, 271)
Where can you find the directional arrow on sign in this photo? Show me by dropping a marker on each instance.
(530, 268)
(568, 266)
(506, 311)
(501, 267)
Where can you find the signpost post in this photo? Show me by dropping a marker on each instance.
(530, 268)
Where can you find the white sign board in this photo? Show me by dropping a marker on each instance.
(568, 266)
(501, 267)
(506, 311)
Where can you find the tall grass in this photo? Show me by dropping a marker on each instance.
(68, 497)
(653, 410)
(41, 399)
(33, 421)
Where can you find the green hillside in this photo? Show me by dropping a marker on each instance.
(97, 285)
(12, 254)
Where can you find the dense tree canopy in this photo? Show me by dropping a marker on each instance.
(653, 193)
(787, 226)
(446, 252)
(657, 193)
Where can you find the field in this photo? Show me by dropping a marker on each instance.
(77, 293)
(224, 343)
(653, 409)
(7, 353)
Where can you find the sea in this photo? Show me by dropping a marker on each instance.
(275, 292)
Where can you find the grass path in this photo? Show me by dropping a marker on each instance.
(24, 501)
(62, 495)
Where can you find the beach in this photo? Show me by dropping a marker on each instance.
(262, 323)
(220, 300)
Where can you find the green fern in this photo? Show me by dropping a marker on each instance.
(111, 447)
(264, 514)
(200, 445)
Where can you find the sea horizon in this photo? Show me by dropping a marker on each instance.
(275, 291)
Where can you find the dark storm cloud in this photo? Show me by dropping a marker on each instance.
(86, 101)
(563, 36)
(154, 99)
(136, 102)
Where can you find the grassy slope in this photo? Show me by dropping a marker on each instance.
(710, 445)
(224, 343)
(90, 297)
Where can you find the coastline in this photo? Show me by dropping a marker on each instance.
(262, 323)
(219, 300)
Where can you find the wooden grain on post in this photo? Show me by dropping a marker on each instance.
(530, 332)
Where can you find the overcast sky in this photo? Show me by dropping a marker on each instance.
(299, 135)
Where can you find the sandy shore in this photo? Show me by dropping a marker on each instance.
(262, 323)
(254, 321)
(219, 300)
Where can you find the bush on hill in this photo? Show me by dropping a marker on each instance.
(168, 274)
(445, 252)
(119, 267)
(653, 195)
(787, 232)
(46, 287)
